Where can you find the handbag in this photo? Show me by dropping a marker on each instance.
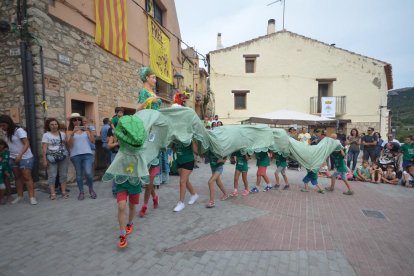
(58, 155)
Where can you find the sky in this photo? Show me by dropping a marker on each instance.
(381, 29)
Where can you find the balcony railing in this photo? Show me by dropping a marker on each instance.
(315, 105)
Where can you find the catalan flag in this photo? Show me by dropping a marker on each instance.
(111, 27)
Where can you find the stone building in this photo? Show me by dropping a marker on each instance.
(71, 73)
(285, 70)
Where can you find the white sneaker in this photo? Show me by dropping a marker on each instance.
(33, 201)
(16, 200)
(193, 199)
(179, 207)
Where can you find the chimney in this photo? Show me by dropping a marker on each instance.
(219, 44)
(271, 26)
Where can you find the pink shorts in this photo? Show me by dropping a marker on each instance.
(134, 199)
(153, 171)
(261, 171)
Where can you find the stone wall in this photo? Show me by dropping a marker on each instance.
(89, 71)
(11, 80)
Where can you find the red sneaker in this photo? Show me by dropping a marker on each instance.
(156, 201)
(122, 242)
(129, 229)
(142, 211)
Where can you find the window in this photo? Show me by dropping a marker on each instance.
(240, 99)
(250, 63)
(157, 13)
(325, 89)
(153, 8)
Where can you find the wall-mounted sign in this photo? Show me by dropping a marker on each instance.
(15, 52)
(52, 83)
(64, 59)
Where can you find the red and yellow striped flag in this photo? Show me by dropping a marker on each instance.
(111, 27)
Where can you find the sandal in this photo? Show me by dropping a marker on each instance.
(245, 193)
(52, 196)
(210, 204)
(65, 196)
(224, 197)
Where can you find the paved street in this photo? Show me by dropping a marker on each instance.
(273, 233)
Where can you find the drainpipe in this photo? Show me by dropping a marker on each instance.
(42, 75)
(28, 88)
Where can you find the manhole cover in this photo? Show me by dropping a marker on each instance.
(373, 214)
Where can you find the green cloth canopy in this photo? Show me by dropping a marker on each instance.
(182, 124)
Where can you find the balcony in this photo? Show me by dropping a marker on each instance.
(315, 105)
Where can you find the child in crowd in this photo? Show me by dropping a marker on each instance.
(408, 151)
(376, 173)
(363, 173)
(7, 172)
(324, 170)
(311, 177)
(119, 112)
(340, 169)
(216, 166)
(241, 168)
(389, 176)
(262, 162)
(407, 179)
(3, 173)
(281, 166)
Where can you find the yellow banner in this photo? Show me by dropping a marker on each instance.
(159, 50)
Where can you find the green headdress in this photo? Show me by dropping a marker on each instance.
(144, 72)
(130, 132)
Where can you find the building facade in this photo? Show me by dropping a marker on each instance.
(284, 70)
(71, 73)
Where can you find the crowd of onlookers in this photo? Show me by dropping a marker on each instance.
(76, 143)
(383, 160)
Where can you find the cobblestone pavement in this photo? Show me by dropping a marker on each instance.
(273, 233)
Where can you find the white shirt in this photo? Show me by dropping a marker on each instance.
(304, 138)
(16, 144)
(52, 141)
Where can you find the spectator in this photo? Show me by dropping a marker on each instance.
(215, 120)
(54, 141)
(369, 141)
(316, 138)
(376, 173)
(407, 179)
(389, 176)
(304, 136)
(219, 123)
(390, 138)
(213, 125)
(341, 136)
(6, 172)
(79, 138)
(363, 172)
(407, 150)
(21, 158)
(119, 112)
(353, 140)
(378, 146)
(292, 132)
(104, 135)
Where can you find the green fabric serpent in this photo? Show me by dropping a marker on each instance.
(164, 126)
